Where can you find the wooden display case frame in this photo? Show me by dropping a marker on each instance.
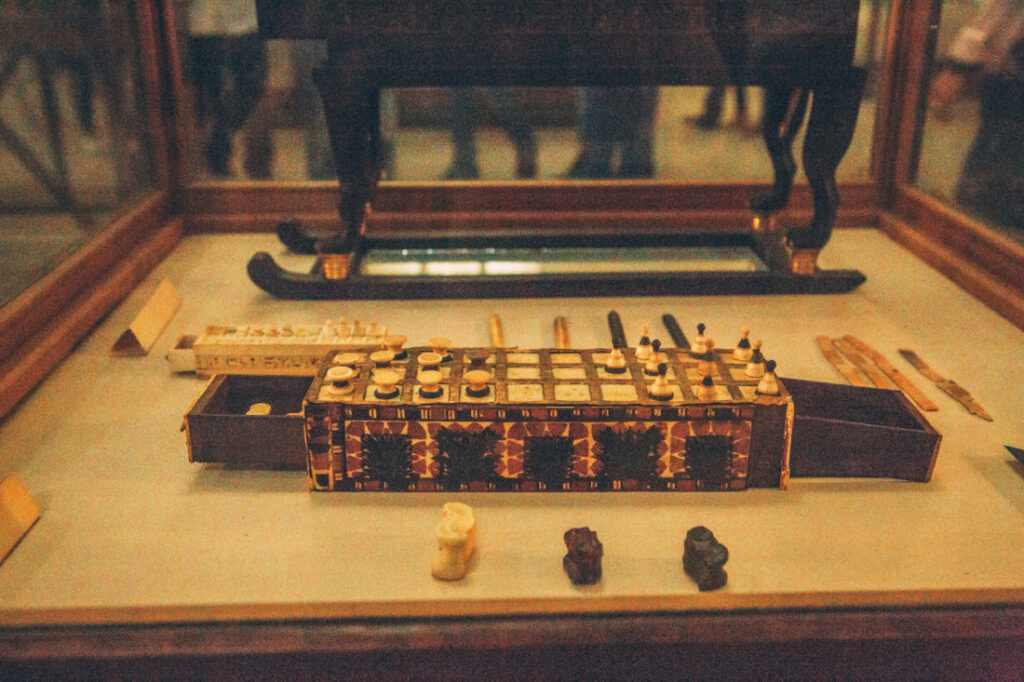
(917, 633)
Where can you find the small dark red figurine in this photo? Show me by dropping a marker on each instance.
(583, 562)
(703, 558)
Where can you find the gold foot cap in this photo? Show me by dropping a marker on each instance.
(804, 261)
(335, 265)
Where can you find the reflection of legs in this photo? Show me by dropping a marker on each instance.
(463, 125)
(991, 183)
(636, 131)
(206, 64)
(784, 110)
(596, 130)
(305, 54)
(249, 71)
(508, 109)
(713, 100)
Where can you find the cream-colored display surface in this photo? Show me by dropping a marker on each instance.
(130, 531)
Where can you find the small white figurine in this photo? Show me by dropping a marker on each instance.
(769, 383)
(743, 352)
(756, 367)
(616, 362)
(456, 538)
(643, 349)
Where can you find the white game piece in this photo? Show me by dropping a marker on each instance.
(340, 379)
(755, 367)
(429, 361)
(706, 390)
(387, 384)
(478, 383)
(700, 344)
(456, 539)
(769, 384)
(616, 362)
(643, 349)
(382, 358)
(440, 345)
(430, 388)
(654, 359)
(394, 344)
(660, 389)
(742, 352)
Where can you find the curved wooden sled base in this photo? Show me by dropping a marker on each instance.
(277, 281)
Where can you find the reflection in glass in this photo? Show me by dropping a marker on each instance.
(73, 138)
(972, 151)
(468, 262)
(691, 134)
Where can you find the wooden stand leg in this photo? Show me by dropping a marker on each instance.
(829, 133)
(785, 108)
(351, 109)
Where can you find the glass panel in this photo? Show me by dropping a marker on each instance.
(73, 141)
(259, 117)
(972, 150)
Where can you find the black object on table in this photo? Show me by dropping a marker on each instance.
(793, 49)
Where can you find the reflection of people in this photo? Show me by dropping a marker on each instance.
(613, 118)
(991, 48)
(507, 107)
(228, 69)
(711, 116)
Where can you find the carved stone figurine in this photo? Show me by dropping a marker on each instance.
(583, 562)
(456, 538)
(703, 558)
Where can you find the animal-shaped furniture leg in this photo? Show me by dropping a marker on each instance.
(456, 538)
(834, 108)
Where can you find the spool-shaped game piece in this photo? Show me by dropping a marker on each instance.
(382, 358)
(387, 384)
(339, 380)
(440, 345)
(347, 359)
(430, 384)
(428, 361)
(478, 383)
(394, 344)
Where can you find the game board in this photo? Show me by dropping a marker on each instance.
(544, 419)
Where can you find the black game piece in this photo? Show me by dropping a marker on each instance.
(583, 562)
(703, 558)
(618, 333)
(675, 331)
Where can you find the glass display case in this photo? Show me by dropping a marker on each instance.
(159, 140)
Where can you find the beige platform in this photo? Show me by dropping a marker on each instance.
(130, 531)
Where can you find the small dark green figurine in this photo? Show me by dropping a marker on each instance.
(703, 558)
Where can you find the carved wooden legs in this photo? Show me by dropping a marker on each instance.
(829, 132)
(830, 129)
(784, 111)
(352, 113)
